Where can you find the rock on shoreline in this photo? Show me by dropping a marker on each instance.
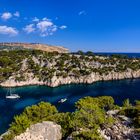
(57, 81)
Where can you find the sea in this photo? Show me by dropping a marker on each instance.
(130, 55)
(30, 95)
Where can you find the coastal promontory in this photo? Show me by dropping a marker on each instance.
(36, 67)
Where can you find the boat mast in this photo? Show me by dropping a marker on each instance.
(10, 91)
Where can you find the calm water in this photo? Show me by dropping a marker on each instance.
(120, 90)
(131, 55)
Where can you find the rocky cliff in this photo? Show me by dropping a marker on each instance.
(22, 68)
(121, 130)
(42, 131)
(57, 81)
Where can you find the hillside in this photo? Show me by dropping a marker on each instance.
(95, 118)
(27, 67)
(32, 46)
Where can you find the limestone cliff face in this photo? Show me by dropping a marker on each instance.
(42, 131)
(57, 81)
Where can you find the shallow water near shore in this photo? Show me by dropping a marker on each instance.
(30, 95)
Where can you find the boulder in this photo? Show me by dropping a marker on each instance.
(42, 131)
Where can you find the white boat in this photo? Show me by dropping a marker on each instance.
(63, 100)
(12, 96)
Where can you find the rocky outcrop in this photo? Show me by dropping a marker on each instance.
(57, 81)
(42, 131)
(119, 131)
(122, 129)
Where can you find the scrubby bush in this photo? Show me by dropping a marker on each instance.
(83, 124)
(83, 64)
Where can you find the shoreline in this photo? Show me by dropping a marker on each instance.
(89, 79)
(68, 84)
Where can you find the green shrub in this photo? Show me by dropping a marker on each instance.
(83, 124)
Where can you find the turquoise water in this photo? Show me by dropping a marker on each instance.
(30, 95)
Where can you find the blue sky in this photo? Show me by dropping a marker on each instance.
(96, 25)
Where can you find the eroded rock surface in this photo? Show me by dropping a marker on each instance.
(42, 131)
(57, 81)
(122, 129)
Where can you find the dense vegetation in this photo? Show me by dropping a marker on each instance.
(132, 111)
(83, 124)
(20, 64)
(90, 114)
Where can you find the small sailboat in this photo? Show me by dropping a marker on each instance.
(62, 100)
(10, 95)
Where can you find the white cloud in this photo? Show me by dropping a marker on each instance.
(16, 14)
(82, 13)
(29, 28)
(46, 27)
(35, 19)
(5, 30)
(6, 16)
(43, 25)
(46, 19)
(63, 27)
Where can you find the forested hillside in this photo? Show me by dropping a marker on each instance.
(93, 117)
(47, 68)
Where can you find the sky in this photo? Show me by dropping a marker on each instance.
(88, 25)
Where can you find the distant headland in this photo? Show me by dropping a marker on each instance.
(32, 46)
